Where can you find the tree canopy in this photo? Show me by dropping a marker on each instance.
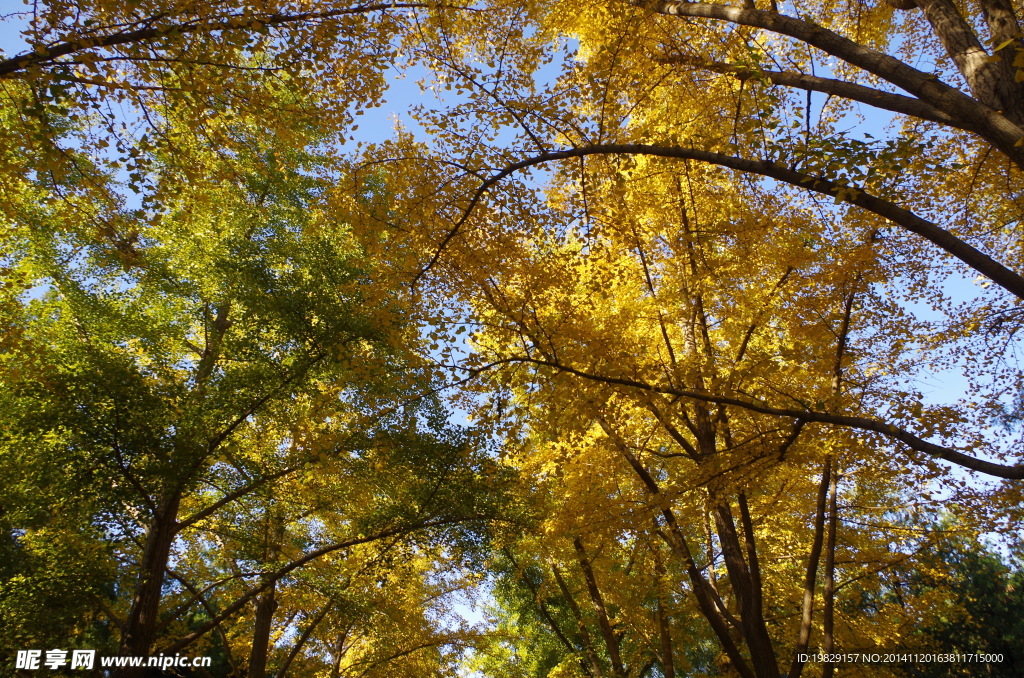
(682, 337)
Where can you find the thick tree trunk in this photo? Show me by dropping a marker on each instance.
(744, 585)
(142, 618)
(1004, 29)
(991, 83)
(339, 654)
(265, 606)
(963, 47)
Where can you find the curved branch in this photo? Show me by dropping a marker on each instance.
(976, 259)
(995, 127)
(235, 22)
(846, 421)
(897, 103)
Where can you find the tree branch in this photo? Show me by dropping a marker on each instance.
(992, 125)
(300, 562)
(230, 497)
(306, 633)
(710, 604)
(897, 103)
(588, 646)
(946, 241)
(811, 576)
(611, 642)
(236, 22)
(846, 421)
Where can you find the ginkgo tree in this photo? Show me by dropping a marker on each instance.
(695, 278)
(227, 373)
(548, 280)
(581, 328)
(658, 111)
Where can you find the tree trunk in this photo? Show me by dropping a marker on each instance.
(611, 641)
(339, 654)
(828, 630)
(266, 604)
(668, 669)
(142, 618)
(810, 579)
(748, 594)
(588, 645)
(991, 83)
(1004, 29)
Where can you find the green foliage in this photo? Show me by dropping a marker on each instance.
(525, 643)
(236, 356)
(223, 335)
(977, 603)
